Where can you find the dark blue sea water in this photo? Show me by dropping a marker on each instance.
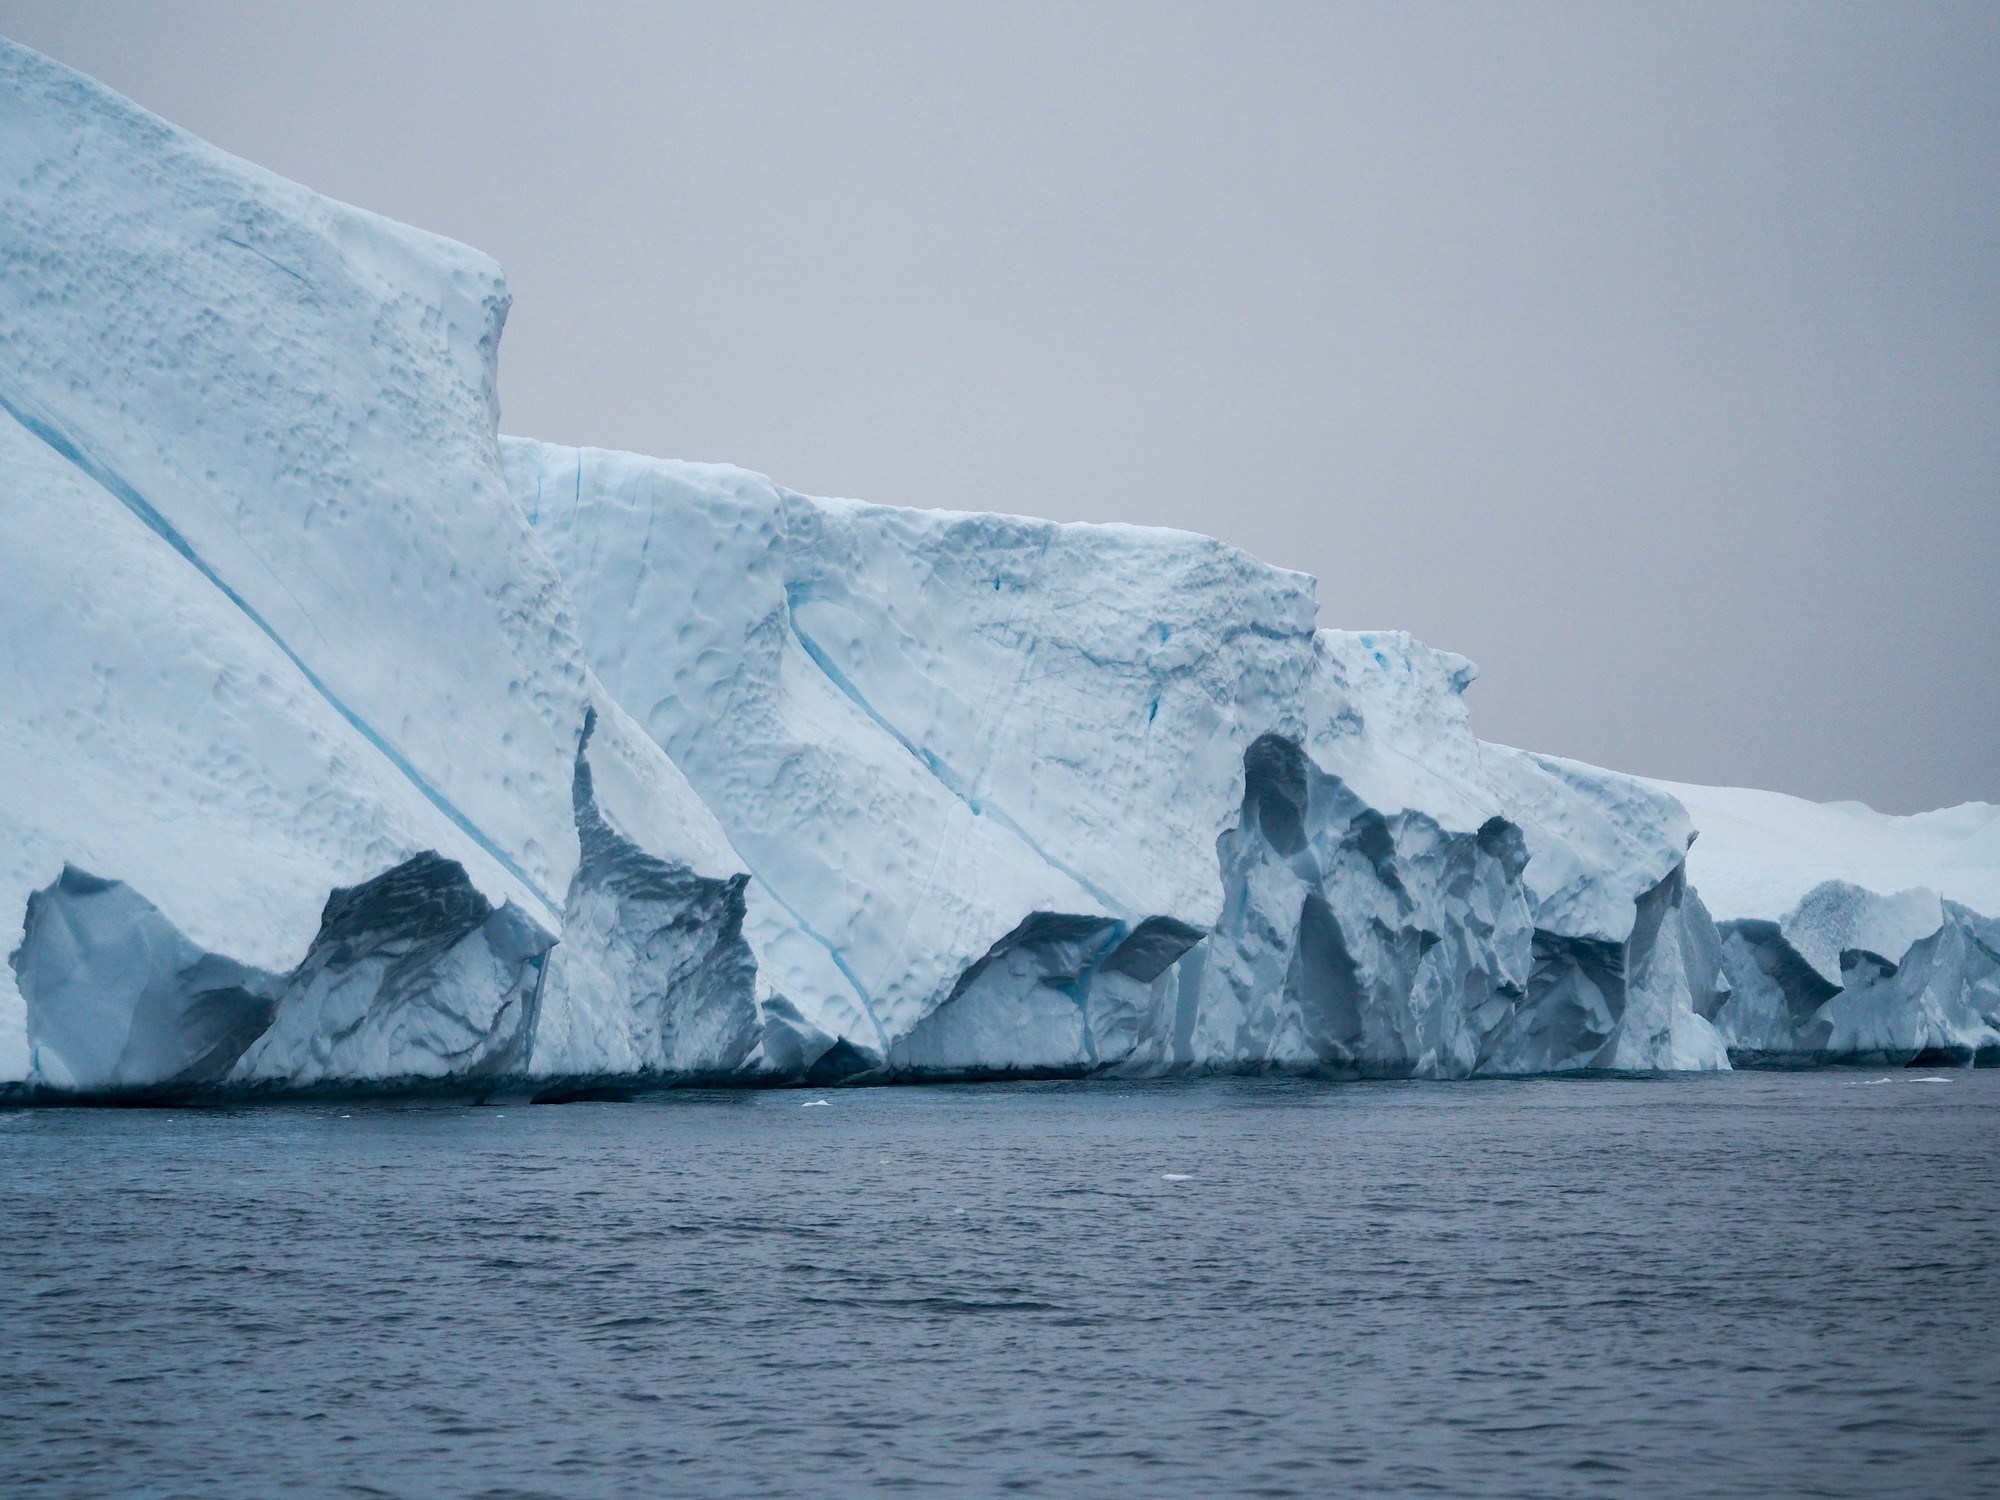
(1756, 1284)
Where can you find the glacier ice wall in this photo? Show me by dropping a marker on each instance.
(349, 744)
(275, 629)
(1848, 935)
(296, 398)
(1065, 798)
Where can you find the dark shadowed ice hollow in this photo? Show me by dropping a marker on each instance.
(1752, 1284)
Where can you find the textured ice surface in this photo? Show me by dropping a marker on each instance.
(298, 399)
(121, 999)
(1048, 797)
(348, 743)
(653, 976)
(1848, 934)
(275, 629)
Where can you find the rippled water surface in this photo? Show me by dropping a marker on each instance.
(1750, 1284)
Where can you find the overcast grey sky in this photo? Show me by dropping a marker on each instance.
(1648, 355)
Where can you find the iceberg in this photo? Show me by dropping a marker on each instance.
(350, 745)
(1068, 798)
(1849, 935)
(295, 699)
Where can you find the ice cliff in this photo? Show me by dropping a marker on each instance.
(293, 771)
(1068, 797)
(1849, 935)
(347, 744)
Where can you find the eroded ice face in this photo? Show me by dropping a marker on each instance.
(977, 763)
(348, 743)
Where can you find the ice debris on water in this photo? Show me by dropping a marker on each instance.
(362, 747)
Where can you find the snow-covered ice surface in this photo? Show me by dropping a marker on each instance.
(348, 744)
(1762, 852)
(1848, 934)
